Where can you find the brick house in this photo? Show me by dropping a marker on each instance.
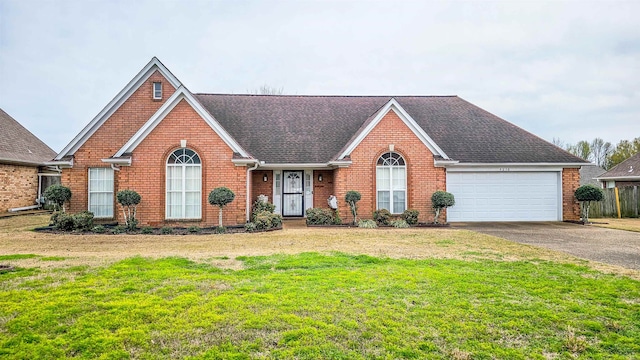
(627, 173)
(23, 174)
(174, 146)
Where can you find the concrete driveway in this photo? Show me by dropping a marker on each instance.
(616, 247)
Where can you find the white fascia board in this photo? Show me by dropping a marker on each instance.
(444, 163)
(406, 118)
(120, 161)
(116, 102)
(294, 166)
(340, 164)
(619, 178)
(62, 164)
(180, 94)
(508, 167)
(244, 162)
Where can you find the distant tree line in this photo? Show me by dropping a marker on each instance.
(602, 153)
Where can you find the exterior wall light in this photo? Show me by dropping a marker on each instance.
(265, 178)
(320, 178)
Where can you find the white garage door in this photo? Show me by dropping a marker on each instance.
(504, 196)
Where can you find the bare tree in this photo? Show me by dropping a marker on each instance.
(557, 142)
(267, 90)
(581, 149)
(600, 151)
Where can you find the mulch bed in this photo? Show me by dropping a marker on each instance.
(234, 229)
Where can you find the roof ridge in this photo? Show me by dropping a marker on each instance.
(333, 96)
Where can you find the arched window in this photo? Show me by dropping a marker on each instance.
(184, 184)
(391, 183)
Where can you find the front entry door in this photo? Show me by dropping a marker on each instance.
(292, 193)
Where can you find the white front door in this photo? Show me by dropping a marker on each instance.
(292, 193)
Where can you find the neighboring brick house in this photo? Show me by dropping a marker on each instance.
(627, 173)
(22, 158)
(173, 147)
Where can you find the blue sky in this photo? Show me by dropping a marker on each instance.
(566, 69)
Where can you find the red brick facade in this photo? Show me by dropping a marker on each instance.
(18, 186)
(570, 206)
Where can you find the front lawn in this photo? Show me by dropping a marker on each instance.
(620, 224)
(311, 306)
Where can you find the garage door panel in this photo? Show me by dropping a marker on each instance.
(504, 196)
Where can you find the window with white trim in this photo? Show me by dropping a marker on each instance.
(101, 192)
(184, 184)
(391, 183)
(157, 90)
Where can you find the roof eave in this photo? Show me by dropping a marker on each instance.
(122, 161)
(21, 162)
(63, 164)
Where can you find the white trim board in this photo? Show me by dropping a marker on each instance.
(180, 94)
(116, 102)
(406, 118)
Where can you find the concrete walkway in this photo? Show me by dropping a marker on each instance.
(610, 246)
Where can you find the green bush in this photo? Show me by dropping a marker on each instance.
(118, 229)
(220, 197)
(83, 221)
(98, 229)
(337, 220)
(399, 223)
(367, 224)
(259, 206)
(147, 230)
(58, 195)
(62, 221)
(441, 200)
(265, 220)
(250, 227)
(194, 229)
(586, 194)
(352, 197)
(320, 216)
(382, 217)
(129, 200)
(166, 230)
(410, 216)
(220, 230)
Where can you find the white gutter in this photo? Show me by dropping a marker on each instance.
(117, 161)
(248, 195)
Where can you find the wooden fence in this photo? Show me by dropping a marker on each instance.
(629, 203)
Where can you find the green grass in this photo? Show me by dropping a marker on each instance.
(312, 306)
(18, 256)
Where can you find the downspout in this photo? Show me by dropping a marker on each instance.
(248, 204)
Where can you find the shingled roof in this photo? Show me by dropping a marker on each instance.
(18, 145)
(628, 169)
(313, 129)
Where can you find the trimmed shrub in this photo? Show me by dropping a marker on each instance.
(194, 229)
(352, 197)
(62, 221)
(586, 194)
(265, 220)
(276, 220)
(99, 229)
(367, 224)
(166, 230)
(410, 216)
(336, 218)
(250, 227)
(382, 217)
(83, 221)
(399, 223)
(147, 230)
(220, 197)
(129, 200)
(220, 230)
(58, 195)
(320, 216)
(259, 206)
(118, 230)
(441, 200)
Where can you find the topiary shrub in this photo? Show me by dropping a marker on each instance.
(220, 197)
(410, 216)
(367, 224)
(352, 199)
(441, 200)
(382, 217)
(586, 194)
(58, 195)
(129, 201)
(399, 223)
(320, 216)
(83, 221)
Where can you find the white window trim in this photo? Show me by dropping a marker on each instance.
(89, 192)
(390, 189)
(183, 191)
(158, 91)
